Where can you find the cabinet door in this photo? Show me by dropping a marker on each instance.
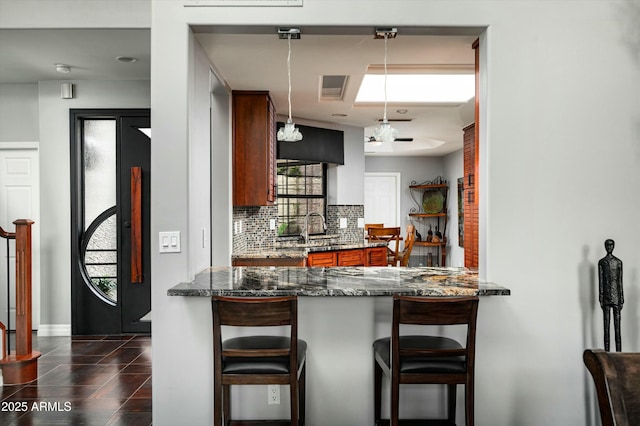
(376, 256)
(325, 258)
(271, 153)
(274, 261)
(254, 149)
(351, 257)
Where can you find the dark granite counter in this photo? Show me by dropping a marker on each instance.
(338, 281)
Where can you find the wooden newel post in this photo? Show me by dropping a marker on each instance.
(23, 287)
(21, 366)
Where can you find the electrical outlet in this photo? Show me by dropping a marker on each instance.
(273, 394)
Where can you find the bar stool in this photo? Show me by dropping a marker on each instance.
(425, 359)
(616, 376)
(389, 235)
(257, 360)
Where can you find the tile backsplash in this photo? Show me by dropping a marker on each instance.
(251, 226)
(350, 234)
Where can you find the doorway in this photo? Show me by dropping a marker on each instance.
(382, 198)
(110, 233)
(19, 199)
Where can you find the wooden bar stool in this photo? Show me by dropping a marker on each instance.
(257, 360)
(616, 376)
(425, 359)
(392, 236)
(368, 226)
(403, 256)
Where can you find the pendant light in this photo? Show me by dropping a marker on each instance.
(385, 133)
(289, 133)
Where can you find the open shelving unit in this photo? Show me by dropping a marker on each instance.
(430, 215)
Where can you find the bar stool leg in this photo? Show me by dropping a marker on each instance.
(452, 403)
(468, 390)
(226, 402)
(293, 395)
(217, 404)
(377, 391)
(302, 391)
(395, 399)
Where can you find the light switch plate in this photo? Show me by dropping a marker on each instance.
(343, 222)
(169, 242)
(361, 222)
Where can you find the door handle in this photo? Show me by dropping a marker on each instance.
(136, 224)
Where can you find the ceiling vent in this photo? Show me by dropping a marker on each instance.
(332, 88)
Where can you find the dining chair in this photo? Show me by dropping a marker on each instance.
(368, 226)
(617, 379)
(257, 359)
(403, 256)
(391, 235)
(424, 359)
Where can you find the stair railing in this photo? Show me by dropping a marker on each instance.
(21, 365)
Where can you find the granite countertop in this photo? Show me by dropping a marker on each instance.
(337, 281)
(296, 251)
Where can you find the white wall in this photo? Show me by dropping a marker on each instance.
(55, 181)
(560, 135)
(199, 236)
(19, 113)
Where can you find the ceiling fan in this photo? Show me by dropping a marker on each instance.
(407, 120)
(372, 139)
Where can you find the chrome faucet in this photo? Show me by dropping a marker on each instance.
(305, 230)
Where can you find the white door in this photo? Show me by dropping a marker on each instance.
(19, 199)
(382, 198)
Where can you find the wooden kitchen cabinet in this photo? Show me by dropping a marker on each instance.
(372, 256)
(375, 256)
(272, 261)
(351, 257)
(322, 259)
(254, 149)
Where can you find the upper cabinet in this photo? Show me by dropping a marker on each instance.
(254, 149)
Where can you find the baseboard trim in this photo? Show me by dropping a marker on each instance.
(54, 330)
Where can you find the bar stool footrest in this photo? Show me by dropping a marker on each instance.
(416, 422)
(262, 423)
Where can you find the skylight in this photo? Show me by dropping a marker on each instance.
(417, 88)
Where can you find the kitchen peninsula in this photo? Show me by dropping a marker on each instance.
(338, 281)
(341, 311)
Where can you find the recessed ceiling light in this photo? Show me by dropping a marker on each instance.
(63, 69)
(339, 115)
(126, 59)
(402, 111)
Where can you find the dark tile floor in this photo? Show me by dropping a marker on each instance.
(84, 380)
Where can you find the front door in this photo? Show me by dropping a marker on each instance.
(111, 271)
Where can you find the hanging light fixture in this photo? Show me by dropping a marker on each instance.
(289, 133)
(385, 133)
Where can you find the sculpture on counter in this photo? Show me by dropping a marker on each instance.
(611, 294)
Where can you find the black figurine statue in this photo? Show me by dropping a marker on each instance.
(611, 295)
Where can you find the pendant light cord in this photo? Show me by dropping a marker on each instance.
(384, 118)
(289, 74)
